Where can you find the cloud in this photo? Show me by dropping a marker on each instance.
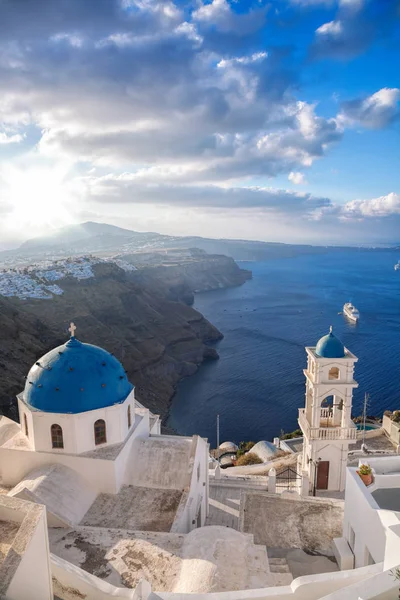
(190, 102)
(297, 178)
(219, 14)
(313, 3)
(142, 83)
(10, 139)
(333, 28)
(376, 111)
(148, 187)
(357, 25)
(144, 189)
(354, 4)
(384, 206)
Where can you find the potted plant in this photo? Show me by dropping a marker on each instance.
(365, 472)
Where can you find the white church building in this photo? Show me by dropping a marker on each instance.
(96, 503)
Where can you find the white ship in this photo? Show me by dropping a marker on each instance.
(351, 312)
(397, 266)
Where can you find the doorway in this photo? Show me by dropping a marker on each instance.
(323, 475)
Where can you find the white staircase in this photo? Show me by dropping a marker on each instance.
(279, 571)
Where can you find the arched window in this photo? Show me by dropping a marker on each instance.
(57, 440)
(129, 417)
(100, 436)
(334, 373)
(26, 426)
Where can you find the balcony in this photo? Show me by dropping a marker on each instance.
(325, 433)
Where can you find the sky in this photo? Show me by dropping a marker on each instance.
(272, 120)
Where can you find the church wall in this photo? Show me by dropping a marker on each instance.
(16, 464)
(140, 427)
(84, 427)
(24, 412)
(123, 415)
(42, 423)
(78, 429)
(337, 467)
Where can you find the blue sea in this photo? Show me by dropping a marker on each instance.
(258, 385)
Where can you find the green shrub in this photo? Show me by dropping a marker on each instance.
(293, 434)
(248, 459)
(396, 416)
(365, 470)
(244, 447)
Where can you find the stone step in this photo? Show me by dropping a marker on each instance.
(277, 561)
(279, 568)
(258, 570)
(276, 579)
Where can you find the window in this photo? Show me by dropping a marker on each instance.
(26, 426)
(327, 402)
(129, 417)
(198, 472)
(100, 432)
(334, 373)
(57, 436)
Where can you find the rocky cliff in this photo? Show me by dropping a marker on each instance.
(137, 316)
(182, 280)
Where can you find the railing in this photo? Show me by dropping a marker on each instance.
(325, 433)
(326, 413)
(304, 424)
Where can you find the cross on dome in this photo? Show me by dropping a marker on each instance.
(72, 328)
(330, 329)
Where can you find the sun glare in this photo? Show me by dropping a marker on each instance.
(39, 198)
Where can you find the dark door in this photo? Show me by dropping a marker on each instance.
(323, 475)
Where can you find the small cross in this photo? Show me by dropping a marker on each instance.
(330, 328)
(71, 329)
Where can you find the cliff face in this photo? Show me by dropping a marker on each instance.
(182, 280)
(158, 340)
(143, 317)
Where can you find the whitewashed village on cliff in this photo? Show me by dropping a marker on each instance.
(96, 503)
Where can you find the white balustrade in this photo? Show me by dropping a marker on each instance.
(325, 433)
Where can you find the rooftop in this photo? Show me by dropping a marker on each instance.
(134, 507)
(75, 378)
(209, 559)
(329, 346)
(387, 498)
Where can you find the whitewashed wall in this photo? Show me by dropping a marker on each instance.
(361, 513)
(78, 429)
(32, 577)
(193, 507)
(16, 464)
(310, 587)
(141, 430)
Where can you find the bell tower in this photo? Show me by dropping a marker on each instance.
(326, 422)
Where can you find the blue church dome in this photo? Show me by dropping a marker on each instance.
(75, 378)
(330, 347)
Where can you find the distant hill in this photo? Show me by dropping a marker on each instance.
(77, 234)
(103, 239)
